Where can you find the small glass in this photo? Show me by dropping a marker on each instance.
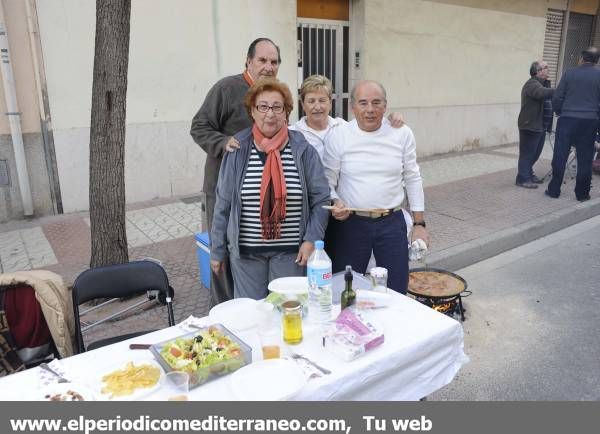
(292, 322)
(176, 386)
(270, 341)
(379, 279)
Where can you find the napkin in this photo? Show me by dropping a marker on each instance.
(47, 378)
(308, 370)
(191, 321)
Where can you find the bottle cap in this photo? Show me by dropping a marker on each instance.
(348, 273)
(291, 305)
(319, 244)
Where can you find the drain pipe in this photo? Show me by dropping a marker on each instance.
(14, 118)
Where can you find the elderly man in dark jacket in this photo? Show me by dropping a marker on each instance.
(577, 102)
(532, 132)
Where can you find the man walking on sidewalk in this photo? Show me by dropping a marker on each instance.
(577, 102)
(222, 115)
(532, 134)
(369, 165)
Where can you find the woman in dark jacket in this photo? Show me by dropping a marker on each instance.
(270, 197)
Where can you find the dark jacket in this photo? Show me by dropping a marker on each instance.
(548, 112)
(225, 230)
(221, 116)
(533, 95)
(578, 93)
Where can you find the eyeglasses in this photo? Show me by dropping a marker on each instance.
(276, 108)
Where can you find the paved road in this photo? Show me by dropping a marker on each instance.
(533, 321)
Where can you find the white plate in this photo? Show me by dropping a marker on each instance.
(62, 392)
(236, 314)
(98, 384)
(268, 380)
(289, 285)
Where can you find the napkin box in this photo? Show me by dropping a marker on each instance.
(352, 335)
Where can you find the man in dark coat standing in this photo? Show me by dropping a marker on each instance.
(532, 133)
(577, 102)
(222, 115)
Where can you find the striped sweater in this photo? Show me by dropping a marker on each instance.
(250, 240)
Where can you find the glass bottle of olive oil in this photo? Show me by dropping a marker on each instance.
(348, 294)
(292, 322)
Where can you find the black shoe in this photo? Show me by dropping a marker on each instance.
(537, 180)
(584, 198)
(547, 193)
(526, 184)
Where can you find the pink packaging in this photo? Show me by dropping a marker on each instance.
(352, 335)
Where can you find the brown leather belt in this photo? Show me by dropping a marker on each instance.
(378, 214)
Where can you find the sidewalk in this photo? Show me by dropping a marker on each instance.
(473, 211)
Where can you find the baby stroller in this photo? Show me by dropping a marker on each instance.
(36, 320)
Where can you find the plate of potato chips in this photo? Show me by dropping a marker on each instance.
(129, 381)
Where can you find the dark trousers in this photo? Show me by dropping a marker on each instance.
(330, 238)
(221, 285)
(580, 133)
(531, 144)
(356, 237)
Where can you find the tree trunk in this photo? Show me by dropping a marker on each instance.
(107, 133)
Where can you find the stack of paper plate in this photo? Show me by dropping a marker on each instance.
(237, 314)
(268, 380)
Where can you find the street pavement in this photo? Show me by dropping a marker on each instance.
(473, 211)
(532, 322)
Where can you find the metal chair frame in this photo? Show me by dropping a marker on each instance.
(571, 166)
(115, 282)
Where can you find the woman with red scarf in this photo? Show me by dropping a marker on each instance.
(270, 194)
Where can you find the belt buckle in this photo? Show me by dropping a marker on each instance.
(377, 215)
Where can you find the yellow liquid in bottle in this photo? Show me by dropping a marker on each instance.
(292, 328)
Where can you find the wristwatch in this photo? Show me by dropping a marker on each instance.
(420, 224)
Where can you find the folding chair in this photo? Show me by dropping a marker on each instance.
(571, 166)
(114, 282)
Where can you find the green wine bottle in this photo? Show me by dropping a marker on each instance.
(348, 294)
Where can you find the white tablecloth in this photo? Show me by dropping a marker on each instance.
(422, 352)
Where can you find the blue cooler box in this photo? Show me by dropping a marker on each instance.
(203, 251)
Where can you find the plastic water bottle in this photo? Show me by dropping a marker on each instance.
(319, 284)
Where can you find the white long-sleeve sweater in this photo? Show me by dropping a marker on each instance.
(372, 169)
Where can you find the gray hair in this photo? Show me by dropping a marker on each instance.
(252, 50)
(353, 92)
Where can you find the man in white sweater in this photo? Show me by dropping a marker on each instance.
(369, 165)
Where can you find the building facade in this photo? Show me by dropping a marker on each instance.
(453, 68)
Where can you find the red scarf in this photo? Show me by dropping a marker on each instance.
(273, 191)
(248, 78)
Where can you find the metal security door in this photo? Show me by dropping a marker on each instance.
(323, 49)
(579, 36)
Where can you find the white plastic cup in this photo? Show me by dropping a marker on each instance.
(379, 279)
(270, 342)
(176, 386)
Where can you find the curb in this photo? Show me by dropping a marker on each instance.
(460, 256)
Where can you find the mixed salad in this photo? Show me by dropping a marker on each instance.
(210, 351)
